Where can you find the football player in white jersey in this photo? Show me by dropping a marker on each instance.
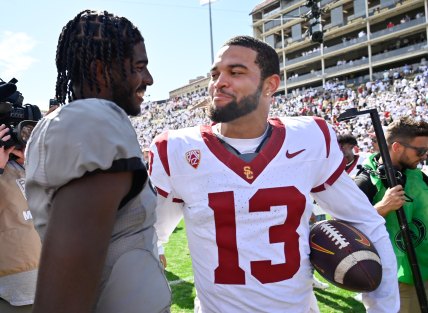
(243, 185)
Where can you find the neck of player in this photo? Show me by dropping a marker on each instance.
(251, 125)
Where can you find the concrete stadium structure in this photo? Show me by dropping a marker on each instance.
(362, 39)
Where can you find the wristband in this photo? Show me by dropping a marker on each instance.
(1, 170)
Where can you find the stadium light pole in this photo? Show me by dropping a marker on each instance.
(401, 216)
(203, 2)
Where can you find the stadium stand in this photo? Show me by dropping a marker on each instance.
(404, 92)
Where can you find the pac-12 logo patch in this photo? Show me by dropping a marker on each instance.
(193, 157)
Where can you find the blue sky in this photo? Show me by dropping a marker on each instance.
(176, 33)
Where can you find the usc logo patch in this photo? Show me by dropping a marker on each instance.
(193, 157)
(248, 172)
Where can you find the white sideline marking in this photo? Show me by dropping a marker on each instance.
(179, 281)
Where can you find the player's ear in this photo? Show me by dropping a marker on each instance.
(271, 84)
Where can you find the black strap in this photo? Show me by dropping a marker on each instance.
(425, 178)
(363, 181)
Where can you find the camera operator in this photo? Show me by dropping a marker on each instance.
(20, 244)
(407, 141)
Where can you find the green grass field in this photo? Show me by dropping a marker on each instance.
(180, 276)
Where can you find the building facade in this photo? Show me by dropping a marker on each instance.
(198, 85)
(362, 39)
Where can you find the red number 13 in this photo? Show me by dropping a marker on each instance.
(223, 205)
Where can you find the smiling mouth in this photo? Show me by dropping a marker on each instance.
(140, 92)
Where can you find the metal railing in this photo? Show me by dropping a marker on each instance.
(398, 27)
(400, 51)
(345, 44)
(324, 2)
(303, 58)
(291, 3)
(345, 66)
(315, 74)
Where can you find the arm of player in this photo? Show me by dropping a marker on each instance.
(168, 211)
(355, 208)
(76, 242)
(168, 214)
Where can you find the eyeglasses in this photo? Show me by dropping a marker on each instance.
(419, 151)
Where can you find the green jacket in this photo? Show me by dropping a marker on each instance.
(417, 216)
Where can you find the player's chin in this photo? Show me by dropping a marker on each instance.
(134, 109)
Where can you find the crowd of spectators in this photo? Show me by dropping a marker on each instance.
(402, 95)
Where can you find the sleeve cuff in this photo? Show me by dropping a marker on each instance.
(161, 250)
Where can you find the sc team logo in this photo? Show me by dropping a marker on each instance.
(248, 172)
(418, 232)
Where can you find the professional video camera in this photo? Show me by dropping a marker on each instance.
(19, 118)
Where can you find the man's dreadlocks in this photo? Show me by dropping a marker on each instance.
(88, 37)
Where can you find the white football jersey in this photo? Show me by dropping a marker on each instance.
(247, 222)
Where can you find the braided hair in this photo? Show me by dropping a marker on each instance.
(91, 36)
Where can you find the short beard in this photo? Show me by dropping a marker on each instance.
(234, 109)
(122, 96)
(405, 166)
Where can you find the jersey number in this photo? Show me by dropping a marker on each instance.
(223, 205)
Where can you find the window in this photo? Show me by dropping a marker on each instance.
(337, 16)
(296, 32)
(359, 8)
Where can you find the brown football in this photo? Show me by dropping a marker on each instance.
(344, 256)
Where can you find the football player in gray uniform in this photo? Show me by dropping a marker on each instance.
(87, 185)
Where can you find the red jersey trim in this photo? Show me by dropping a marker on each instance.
(162, 146)
(330, 181)
(353, 164)
(163, 193)
(150, 162)
(322, 124)
(247, 171)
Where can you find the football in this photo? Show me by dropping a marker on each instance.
(344, 256)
